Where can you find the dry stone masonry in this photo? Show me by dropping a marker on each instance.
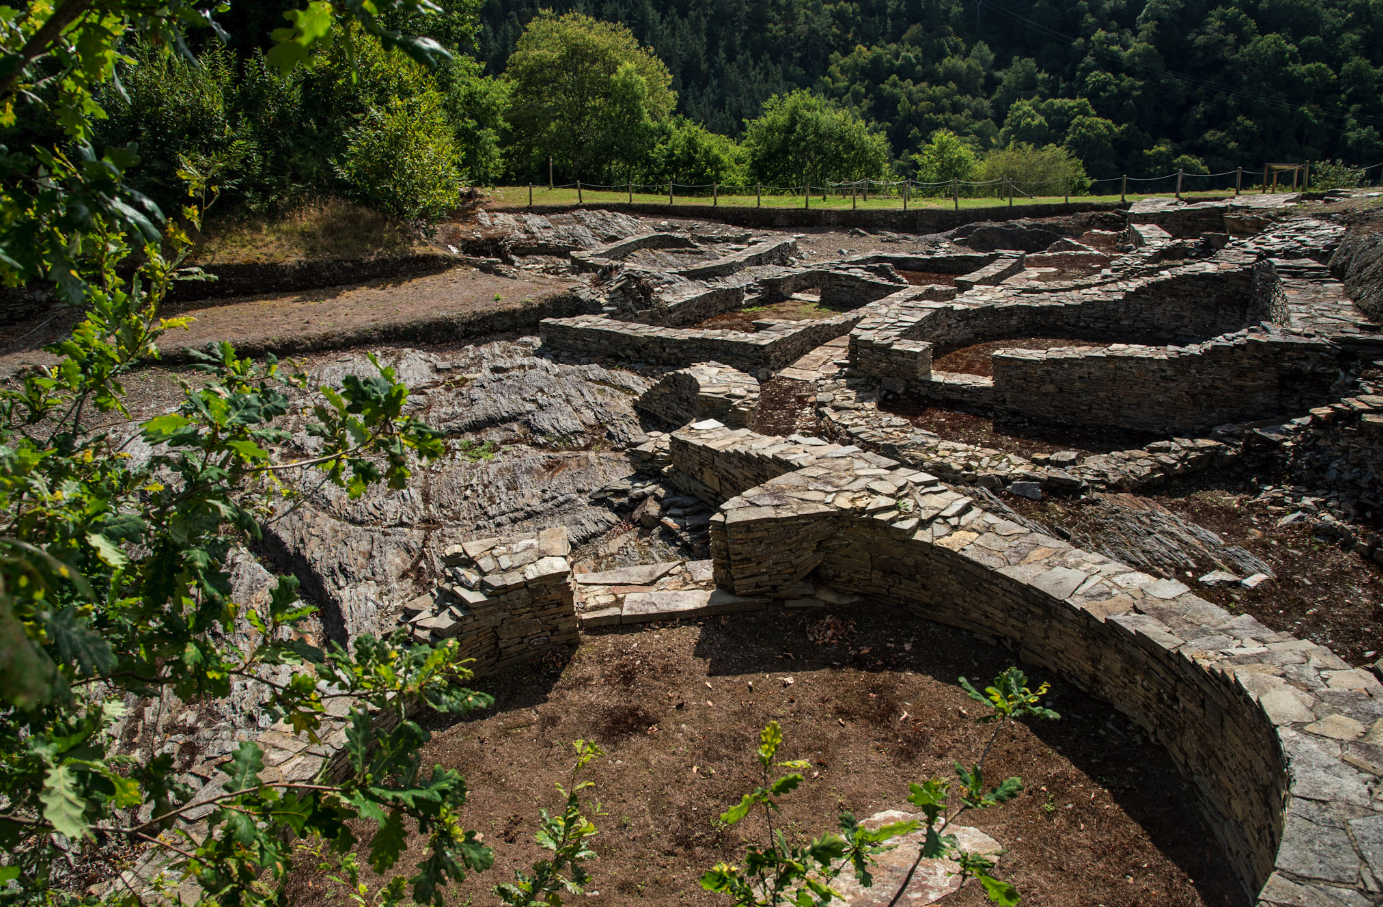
(1281, 737)
(1218, 328)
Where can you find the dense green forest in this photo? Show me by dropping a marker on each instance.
(780, 92)
(1127, 85)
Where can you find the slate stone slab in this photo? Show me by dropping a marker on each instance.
(643, 575)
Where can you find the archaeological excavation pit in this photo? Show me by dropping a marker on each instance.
(679, 752)
(912, 465)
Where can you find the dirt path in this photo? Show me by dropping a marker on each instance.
(437, 307)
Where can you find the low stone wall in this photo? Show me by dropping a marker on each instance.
(1194, 301)
(1238, 378)
(611, 253)
(768, 252)
(505, 600)
(992, 274)
(773, 348)
(1180, 219)
(709, 391)
(1273, 731)
(840, 287)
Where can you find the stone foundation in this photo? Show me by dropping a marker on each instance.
(710, 391)
(1171, 390)
(1280, 737)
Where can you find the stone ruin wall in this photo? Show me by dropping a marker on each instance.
(772, 349)
(1269, 728)
(1169, 390)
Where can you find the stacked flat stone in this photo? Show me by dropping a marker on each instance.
(656, 592)
(770, 349)
(707, 391)
(849, 412)
(1283, 738)
(1236, 377)
(504, 600)
(1199, 299)
(1306, 299)
(1182, 220)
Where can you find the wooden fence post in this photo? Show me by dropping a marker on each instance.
(630, 185)
(1180, 174)
(758, 195)
(1009, 184)
(1123, 190)
(530, 195)
(580, 199)
(549, 173)
(669, 192)
(955, 191)
(1238, 180)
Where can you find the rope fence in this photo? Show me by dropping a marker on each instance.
(1002, 190)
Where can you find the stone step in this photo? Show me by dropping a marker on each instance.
(642, 575)
(642, 607)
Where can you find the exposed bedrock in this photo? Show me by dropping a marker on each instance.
(531, 440)
(1359, 263)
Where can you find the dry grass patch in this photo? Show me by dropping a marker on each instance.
(332, 229)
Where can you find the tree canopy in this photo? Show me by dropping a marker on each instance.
(1233, 83)
(587, 94)
(802, 138)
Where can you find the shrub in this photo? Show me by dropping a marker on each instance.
(944, 158)
(403, 158)
(1327, 175)
(803, 137)
(1035, 171)
(687, 152)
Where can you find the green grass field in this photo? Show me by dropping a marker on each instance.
(518, 197)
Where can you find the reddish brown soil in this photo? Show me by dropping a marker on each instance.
(1320, 592)
(1104, 818)
(786, 406)
(333, 318)
(979, 359)
(787, 310)
(928, 278)
(1022, 438)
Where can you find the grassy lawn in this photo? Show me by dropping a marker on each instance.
(517, 197)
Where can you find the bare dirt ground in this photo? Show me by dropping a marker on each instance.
(333, 318)
(928, 278)
(1320, 592)
(1018, 436)
(873, 704)
(787, 310)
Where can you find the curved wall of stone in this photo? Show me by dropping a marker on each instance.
(1280, 736)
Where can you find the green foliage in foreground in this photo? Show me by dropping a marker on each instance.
(115, 535)
(790, 871)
